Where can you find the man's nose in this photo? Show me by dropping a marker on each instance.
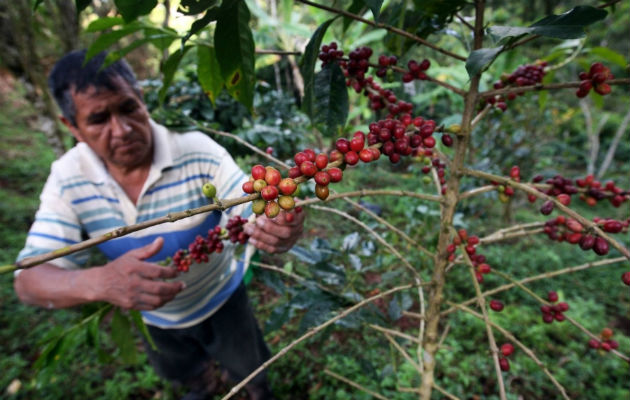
(120, 127)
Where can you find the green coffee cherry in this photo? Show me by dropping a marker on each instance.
(209, 190)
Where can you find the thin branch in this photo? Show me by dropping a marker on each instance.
(569, 319)
(463, 21)
(354, 384)
(545, 275)
(376, 192)
(435, 386)
(481, 301)
(513, 339)
(477, 191)
(540, 86)
(480, 116)
(444, 334)
(404, 353)
(390, 226)
(395, 333)
(530, 190)
(376, 236)
(311, 333)
(613, 146)
(383, 26)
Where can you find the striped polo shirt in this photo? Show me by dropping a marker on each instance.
(80, 196)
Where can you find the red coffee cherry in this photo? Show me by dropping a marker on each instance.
(322, 178)
(335, 174)
(601, 246)
(343, 145)
(308, 168)
(248, 187)
(287, 186)
(272, 176)
(258, 172)
(321, 161)
(552, 296)
(321, 192)
(366, 155)
(496, 305)
(272, 209)
(351, 158)
(504, 364)
(269, 193)
(507, 349)
(625, 278)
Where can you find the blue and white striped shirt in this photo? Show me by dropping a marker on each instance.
(80, 195)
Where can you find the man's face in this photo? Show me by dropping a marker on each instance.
(115, 124)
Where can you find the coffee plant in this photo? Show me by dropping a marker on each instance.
(397, 132)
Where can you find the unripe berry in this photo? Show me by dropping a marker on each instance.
(209, 190)
(272, 209)
(258, 172)
(335, 174)
(286, 202)
(259, 184)
(321, 192)
(258, 206)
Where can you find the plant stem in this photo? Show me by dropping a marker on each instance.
(549, 86)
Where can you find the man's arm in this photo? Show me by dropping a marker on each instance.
(128, 282)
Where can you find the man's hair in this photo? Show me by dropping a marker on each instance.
(72, 73)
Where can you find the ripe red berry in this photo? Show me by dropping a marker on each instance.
(625, 278)
(484, 268)
(269, 192)
(504, 364)
(343, 145)
(308, 168)
(507, 349)
(366, 155)
(612, 226)
(356, 144)
(272, 176)
(299, 158)
(447, 140)
(269, 150)
(322, 178)
(564, 198)
(310, 154)
(351, 158)
(258, 172)
(496, 305)
(335, 174)
(547, 318)
(593, 344)
(287, 186)
(603, 89)
(605, 346)
(547, 207)
(552, 296)
(321, 161)
(272, 209)
(574, 225)
(601, 246)
(587, 242)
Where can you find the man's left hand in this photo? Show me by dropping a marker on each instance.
(275, 235)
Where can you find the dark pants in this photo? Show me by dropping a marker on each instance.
(230, 336)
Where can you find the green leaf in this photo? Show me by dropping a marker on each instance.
(355, 8)
(160, 37)
(610, 55)
(479, 60)
(104, 23)
(136, 317)
(307, 67)
(209, 72)
(104, 41)
(329, 274)
(234, 46)
(198, 25)
(123, 337)
(132, 9)
(569, 25)
(169, 68)
(193, 7)
(278, 317)
(92, 332)
(331, 98)
(82, 5)
(375, 7)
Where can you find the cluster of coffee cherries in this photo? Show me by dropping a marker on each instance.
(357, 65)
(506, 350)
(310, 165)
(329, 53)
(553, 312)
(507, 191)
(426, 156)
(524, 75)
(384, 62)
(416, 70)
(596, 79)
(563, 188)
(200, 249)
(471, 242)
(276, 193)
(562, 229)
(606, 342)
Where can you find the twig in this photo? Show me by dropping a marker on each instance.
(395, 333)
(571, 320)
(513, 339)
(311, 333)
(530, 190)
(278, 52)
(444, 334)
(354, 384)
(480, 116)
(390, 226)
(383, 26)
(463, 21)
(481, 301)
(435, 386)
(545, 275)
(613, 146)
(367, 192)
(540, 86)
(404, 353)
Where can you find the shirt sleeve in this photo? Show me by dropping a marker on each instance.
(56, 226)
(229, 181)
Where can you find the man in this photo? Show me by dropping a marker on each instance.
(127, 169)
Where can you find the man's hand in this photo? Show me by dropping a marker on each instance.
(275, 235)
(132, 283)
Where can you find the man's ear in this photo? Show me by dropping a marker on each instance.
(72, 128)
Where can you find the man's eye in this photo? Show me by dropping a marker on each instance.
(97, 119)
(129, 107)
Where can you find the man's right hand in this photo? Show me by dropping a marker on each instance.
(132, 283)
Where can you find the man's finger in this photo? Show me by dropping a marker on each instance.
(149, 250)
(166, 290)
(154, 271)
